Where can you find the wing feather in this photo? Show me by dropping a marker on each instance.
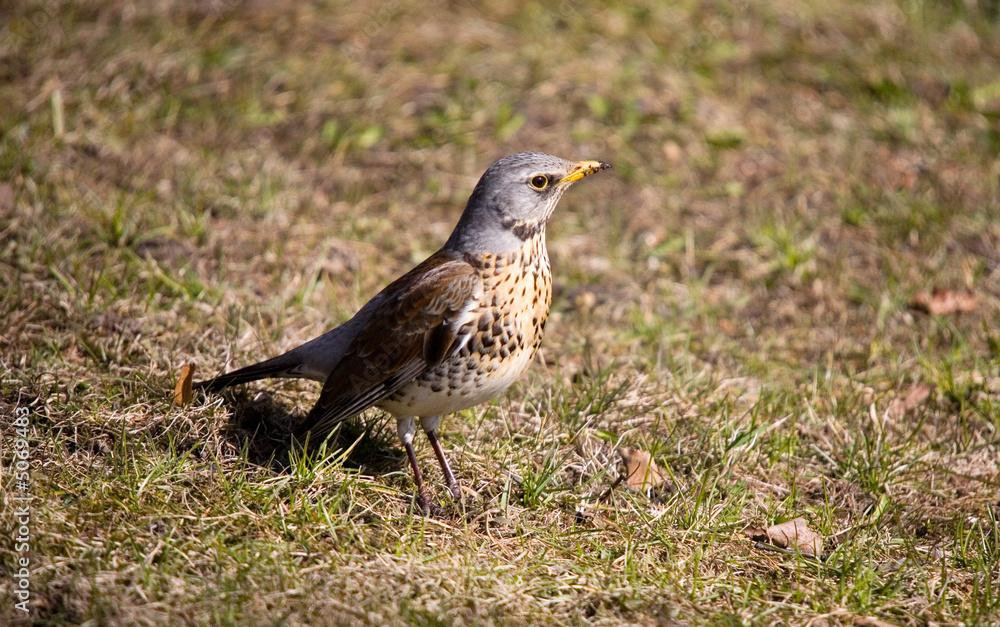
(415, 326)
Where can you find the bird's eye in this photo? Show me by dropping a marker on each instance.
(539, 181)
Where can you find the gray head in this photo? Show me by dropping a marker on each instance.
(514, 199)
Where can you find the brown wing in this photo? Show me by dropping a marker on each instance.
(413, 328)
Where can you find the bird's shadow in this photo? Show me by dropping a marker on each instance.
(263, 425)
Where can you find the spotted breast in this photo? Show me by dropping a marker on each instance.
(500, 335)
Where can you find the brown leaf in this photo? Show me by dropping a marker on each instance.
(182, 391)
(641, 472)
(726, 326)
(914, 398)
(758, 534)
(942, 302)
(793, 534)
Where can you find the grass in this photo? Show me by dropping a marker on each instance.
(215, 183)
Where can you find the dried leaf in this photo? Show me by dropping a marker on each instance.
(182, 391)
(641, 472)
(942, 302)
(758, 534)
(914, 398)
(726, 326)
(793, 534)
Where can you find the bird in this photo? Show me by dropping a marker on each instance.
(453, 332)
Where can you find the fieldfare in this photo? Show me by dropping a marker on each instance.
(453, 332)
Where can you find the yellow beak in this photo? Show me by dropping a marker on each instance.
(582, 169)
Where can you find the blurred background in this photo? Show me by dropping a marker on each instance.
(803, 221)
(772, 160)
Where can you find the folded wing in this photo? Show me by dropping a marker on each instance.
(417, 325)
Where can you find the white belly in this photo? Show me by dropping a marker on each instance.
(444, 391)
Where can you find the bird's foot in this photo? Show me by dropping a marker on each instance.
(429, 508)
(423, 501)
(455, 490)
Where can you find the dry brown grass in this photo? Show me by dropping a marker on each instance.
(216, 183)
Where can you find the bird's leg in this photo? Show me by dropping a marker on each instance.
(405, 430)
(430, 424)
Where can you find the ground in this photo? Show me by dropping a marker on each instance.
(748, 296)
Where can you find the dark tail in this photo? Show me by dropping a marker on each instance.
(270, 369)
(313, 360)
